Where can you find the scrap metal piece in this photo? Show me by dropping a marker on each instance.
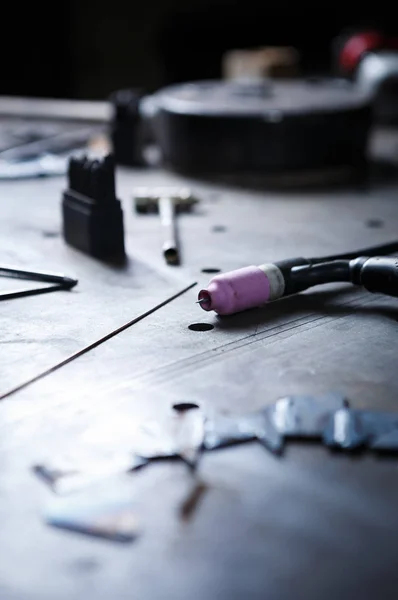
(224, 430)
(386, 442)
(345, 430)
(112, 517)
(354, 428)
(190, 435)
(305, 416)
(181, 434)
(156, 440)
(381, 429)
(75, 475)
(50, 475)
(71, 482)
(264, 430)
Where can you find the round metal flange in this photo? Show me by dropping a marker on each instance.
(261, 126)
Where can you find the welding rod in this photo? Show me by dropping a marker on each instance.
(63, 280)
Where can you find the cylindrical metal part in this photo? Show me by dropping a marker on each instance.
(168, 221)
(265, 127)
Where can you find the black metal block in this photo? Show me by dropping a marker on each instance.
(92, 215)
(127, 128)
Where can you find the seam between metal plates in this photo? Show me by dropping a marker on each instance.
(168, 371)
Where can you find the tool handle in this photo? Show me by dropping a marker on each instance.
(169, 228)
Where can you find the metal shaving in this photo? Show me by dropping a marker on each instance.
(344, 430)
(350, 429)
(386, 441)
(305, 416)
(185, 433)
(190, 433)
(381, 428)
(67, 479)
(224, 430)
(180, 434)
(111, 517)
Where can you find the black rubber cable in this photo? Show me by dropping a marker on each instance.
(381, 250)
(306, 276)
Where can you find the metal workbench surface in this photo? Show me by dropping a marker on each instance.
(308, 525)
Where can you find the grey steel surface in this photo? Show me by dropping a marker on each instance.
(309, 525)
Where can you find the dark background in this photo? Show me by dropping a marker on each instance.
(88, 49)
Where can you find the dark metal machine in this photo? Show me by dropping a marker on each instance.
(261, 126)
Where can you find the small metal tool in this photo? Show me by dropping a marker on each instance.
(171, 250)
(7, 271)
(168, 202)
(61, 282)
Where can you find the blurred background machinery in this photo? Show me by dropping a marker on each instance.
(89, 49)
